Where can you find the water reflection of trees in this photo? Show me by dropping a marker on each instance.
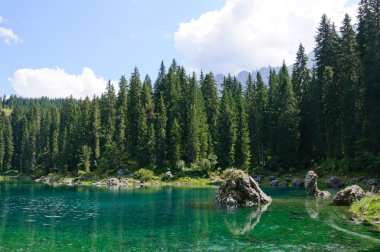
(239, 223)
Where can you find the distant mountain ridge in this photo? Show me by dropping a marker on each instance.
(242, 76)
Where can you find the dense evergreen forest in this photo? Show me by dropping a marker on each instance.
(327, 116)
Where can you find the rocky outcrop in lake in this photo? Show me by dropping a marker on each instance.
(311, 185)
(240, 189)
(348, 195)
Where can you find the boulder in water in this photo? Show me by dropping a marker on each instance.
(240, 189)
(112, 182)
(298, 183)
(311, 185)
(274, 183)
(348, 195)
(120, 172)
(271, 178)
(167, 175)
(334, 182)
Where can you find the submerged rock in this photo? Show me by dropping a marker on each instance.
(334, 182)
(311, 185)
(348, 195)
(240, 189)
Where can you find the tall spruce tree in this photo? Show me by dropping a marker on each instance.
(325, 56)
(226, 131)
(95, 132)
(301, 81)
(242, 152)
(369, 52)
(121, 115)
(134, 114)
(148, 106)
(287, 120)
(161, 122)
(211, 102)
(348, 79)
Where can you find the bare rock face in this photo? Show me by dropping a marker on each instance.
(240, 189)
(348, 195)
(311, 185)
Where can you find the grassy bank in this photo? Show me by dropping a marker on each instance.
(368, 210)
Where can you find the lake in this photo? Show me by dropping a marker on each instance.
(36, 217)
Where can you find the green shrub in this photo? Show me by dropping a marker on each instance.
(180, 166)
(232, 173)
(143, 175)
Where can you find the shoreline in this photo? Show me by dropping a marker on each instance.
(270, 180)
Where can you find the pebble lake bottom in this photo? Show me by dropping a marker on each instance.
(36, 217)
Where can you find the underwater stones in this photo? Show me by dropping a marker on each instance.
(334, 182)
(348, 195)
(311, 185)
(239, 189)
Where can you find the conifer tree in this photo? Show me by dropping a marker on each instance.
(161, 121)
(226, 131)
(273, 108)
(242, 152)
(121, 114)
(287, 120)
(148, 106)
(369, 52)
(211, 103)
(325, 56)
(134, 111)
(301, 81)
(330, 113)
(53, 133)
(95, 132)
(348, 80)
(108, 115)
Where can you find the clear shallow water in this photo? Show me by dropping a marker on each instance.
(36, 217)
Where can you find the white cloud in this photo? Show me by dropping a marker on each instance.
(8, 35)
(56, 83)
(249, 34)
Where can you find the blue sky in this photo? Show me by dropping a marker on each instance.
(46, 46)
(110, 37)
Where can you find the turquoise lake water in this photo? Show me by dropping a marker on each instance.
(36, 217)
